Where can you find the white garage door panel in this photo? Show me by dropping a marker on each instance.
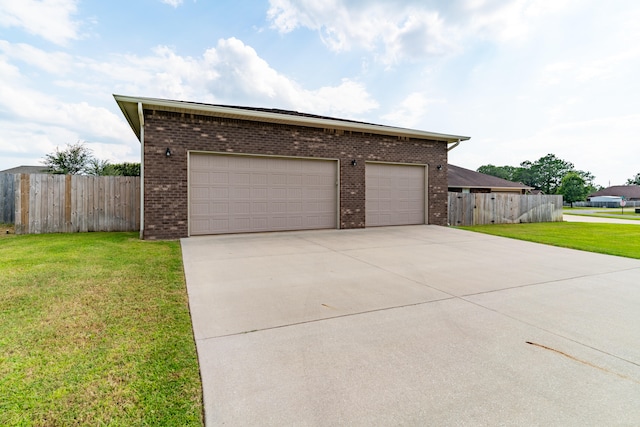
(395, 194)
(235, 194)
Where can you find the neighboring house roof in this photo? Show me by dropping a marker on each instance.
(27, 169)
(627, 191)
(129, 106)
(466, 178)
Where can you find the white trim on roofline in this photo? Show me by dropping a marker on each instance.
(129, 106)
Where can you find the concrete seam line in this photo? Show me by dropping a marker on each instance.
(326, 318)
(548, 282)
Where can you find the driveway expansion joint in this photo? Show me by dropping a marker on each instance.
(327, 318)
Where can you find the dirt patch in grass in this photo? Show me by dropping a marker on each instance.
(7, 230)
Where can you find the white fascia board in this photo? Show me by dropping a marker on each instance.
(273, 117)
(524, 187)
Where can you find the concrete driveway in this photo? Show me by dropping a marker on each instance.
(417, 325)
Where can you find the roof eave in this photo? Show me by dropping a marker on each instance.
(129, 107)
(492, 188)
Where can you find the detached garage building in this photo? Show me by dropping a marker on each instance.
(213, 169)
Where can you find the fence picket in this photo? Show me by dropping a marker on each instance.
(7, 198)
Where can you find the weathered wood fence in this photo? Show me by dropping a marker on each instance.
(7, 198)
(501, 208)
(72, 203)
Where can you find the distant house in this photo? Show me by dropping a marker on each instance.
(27, 169)
(618, 192)
(463, 180)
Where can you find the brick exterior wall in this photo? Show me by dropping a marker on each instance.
(165, 178)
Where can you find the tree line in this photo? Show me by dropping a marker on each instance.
(549, 174)
(78, 159)
(635, 180)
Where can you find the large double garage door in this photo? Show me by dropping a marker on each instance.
(239, 194)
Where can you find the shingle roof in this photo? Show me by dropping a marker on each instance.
(467, 178)
(626, 191)
(26, 169)
(130, 105)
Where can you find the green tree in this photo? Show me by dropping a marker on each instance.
(547, 173)
(99, 167)
(635, 180)
(73, 160)
(126, 169)
(589, 183)
(526, 175)
(504, 172)
(573, 188)
(77, 159)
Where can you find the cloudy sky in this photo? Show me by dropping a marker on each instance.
(523, 78)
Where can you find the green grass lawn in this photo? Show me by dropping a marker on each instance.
(612, 239)
(95, 330)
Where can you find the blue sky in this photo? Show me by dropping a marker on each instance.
(523, 78)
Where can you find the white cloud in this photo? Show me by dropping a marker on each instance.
(174, 3)
(116, 153)
(51, 62)
(241, 73)
(34, 123)
(231, 73)
(49, 19)
(35, 107)
(398, 31)
(412, 29)
(595, 66)
(350, 99)
(600, 146)
(411, 111)
(554, 74)
(19, 99)
(511, 20)
(22, 144)
(607, 66)
(27, 144)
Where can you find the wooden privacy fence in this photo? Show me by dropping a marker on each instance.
(7, 198)
(74, 203)
(501, 208)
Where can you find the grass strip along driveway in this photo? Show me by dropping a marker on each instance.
(95, 329)
(612, 239)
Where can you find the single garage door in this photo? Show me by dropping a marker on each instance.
(238, 194)
(395, 194)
